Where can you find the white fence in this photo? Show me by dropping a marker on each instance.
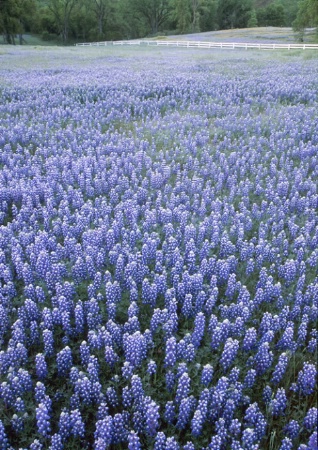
(201, 44)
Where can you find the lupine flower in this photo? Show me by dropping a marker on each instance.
(254, 417)
(207, 374)
(56, 442)
(313, 440)
(249, 339)
(160, 441)
(279, 403)
(3, 437)
(292, 429)
(263, 359)
(287, 444)
(40, 366)
(43, 420)
(104, 432)
(286, 342)
(119, 432)
(110, 356)
(152, 367)
(170, 380)
(199, 326)
(64, 361)
(112, 397)
(40, 392)
(17, 423)
(77, 424)
(187, 307)
(188, 446)
(127, 370)
(307, 379)
(127, 397)
(280, 368)
(36, 445)
(136, 388)
(171, 444)
(310, 421)
(152, 416)
(235, 427)
(133, 441)
(185, 410)
(250, 378)
(19, 405)
(170, 413)
(183, 387)
(229, 353)
(64, 425)
(216, 443)
(197, 423)
(170, 358)
(267, 394)
(249, 438)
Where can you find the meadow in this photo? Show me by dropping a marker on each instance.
(158, 249)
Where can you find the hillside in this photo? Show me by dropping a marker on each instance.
(258, 35)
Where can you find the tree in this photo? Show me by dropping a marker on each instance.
(290, 10)
(233, 13)
(62, 12)
(9, 23)
(273, 15)
(194, 15)
(153, 13)
(307, 16)
(83, 24)
(13, 17)
(208, 20)
(102, 10)
(252, 21)
(182, 15)
(196, 6)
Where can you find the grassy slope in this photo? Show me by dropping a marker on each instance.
(258, 35)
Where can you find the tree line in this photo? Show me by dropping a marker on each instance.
(91, 20)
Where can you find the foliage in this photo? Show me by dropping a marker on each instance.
(252, 21)
(62, 11)
(307, 16)
(152, 14)
(15, 15)
(95, 20)
(273, 15)
(233, 14)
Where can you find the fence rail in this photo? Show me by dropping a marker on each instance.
(202, 44)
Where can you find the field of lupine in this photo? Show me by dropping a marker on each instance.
(158, 249)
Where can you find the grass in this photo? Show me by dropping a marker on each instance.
(54, 58)
(257, 35)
